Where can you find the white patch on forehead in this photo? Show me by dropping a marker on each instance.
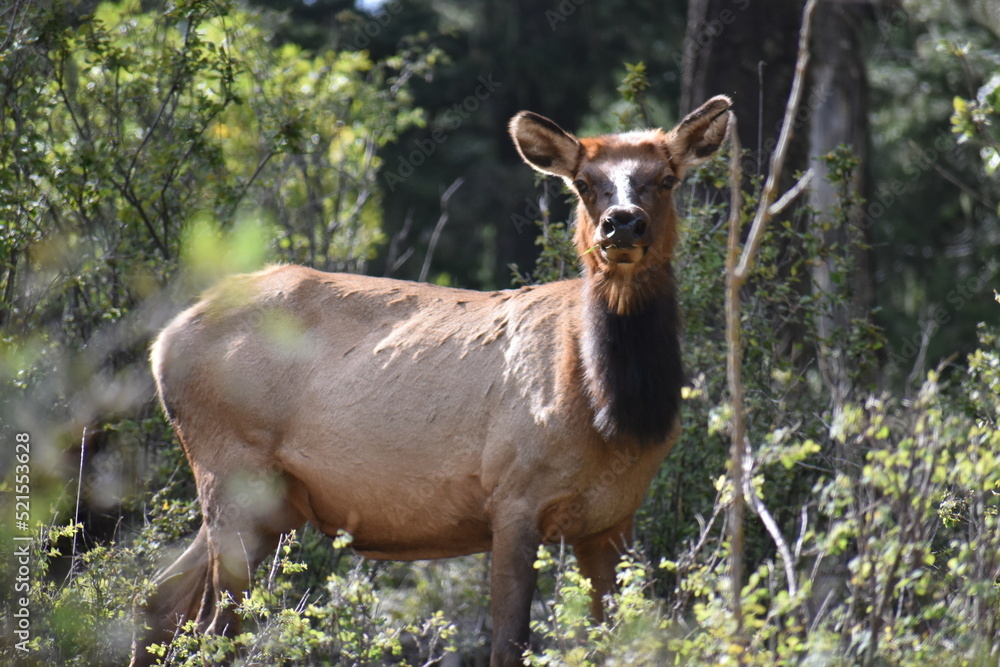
(621, 176)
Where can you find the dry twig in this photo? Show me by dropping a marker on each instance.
(436, 235)
(737, 273)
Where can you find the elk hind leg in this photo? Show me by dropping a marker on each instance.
(598, 557)
(243, 518)
(245, 527)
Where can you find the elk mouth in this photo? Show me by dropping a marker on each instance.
(618, 255)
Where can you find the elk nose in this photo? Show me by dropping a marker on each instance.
(622, 226)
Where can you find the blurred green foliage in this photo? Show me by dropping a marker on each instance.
(934, 205)
(144, 154)
(146, 151)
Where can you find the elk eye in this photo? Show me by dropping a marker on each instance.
(581, 186)
(669, 182)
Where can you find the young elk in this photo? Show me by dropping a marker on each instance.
(431, 422)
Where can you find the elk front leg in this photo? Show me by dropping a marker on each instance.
(512, 585)
(598, 557)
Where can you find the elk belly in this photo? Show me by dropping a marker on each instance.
(391, 512)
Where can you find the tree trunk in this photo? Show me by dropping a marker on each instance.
(838, 106)
(987, 13)
(746, 50)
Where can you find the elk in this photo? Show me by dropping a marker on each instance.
(431, 422)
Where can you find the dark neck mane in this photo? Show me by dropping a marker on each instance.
(632, 364)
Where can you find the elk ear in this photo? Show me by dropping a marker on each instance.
(544, 145)
(701, 133)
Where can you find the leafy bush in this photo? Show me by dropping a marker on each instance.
(133, 144)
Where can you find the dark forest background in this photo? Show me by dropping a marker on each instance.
(149, 148)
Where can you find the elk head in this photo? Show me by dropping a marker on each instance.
(626, 226)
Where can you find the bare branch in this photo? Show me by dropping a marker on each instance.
(954, 180)
(734, 365)
(76, 515)
(436, 235)
(778, 157)
(760, 509)
(917, 371)
(803, 525)
(250, 181)
(787, 198)
(394, 259)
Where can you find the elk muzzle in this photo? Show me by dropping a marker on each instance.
(623, 233)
